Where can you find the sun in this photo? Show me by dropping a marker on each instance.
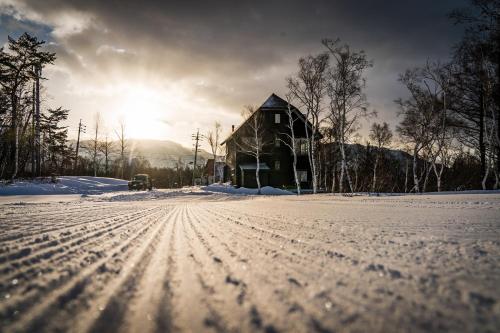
(144, 111)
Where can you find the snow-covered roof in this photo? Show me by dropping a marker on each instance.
(253, 166)
(274, 102)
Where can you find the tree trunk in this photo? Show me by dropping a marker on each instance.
(257, 169)
(294, 152)
(482, 145)
(374, 182)
(341, 179)
(438, 174)
(33, 140)
(297, 182)
(427, 171)
(416, 182)
(15, 138)
(344, 167)
(313, 158)
(215, 178)
(406, 176)
(333, 179)
(122, 155)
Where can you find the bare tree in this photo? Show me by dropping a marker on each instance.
(213, 139)
(106, 147)
(417, 127)
(290, 140)
(255, 143)
(95, 144)
(309, 87)
(381, 134)
(347, 101)
(122, 142)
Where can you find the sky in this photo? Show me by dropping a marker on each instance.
(167, 68)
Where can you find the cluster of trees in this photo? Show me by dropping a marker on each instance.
(449, 121)
(455, 106)
(33, 140)
(28, 138)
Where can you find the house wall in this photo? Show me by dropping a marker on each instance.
(276, 178)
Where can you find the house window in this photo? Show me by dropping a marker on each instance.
(276, 140)
(302, 176)
(301, 147)
(276, 165)
(277, 118)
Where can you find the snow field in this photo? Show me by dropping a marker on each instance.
(271, 264)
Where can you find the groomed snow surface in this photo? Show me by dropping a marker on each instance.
(194, 260)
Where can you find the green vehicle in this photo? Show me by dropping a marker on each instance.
(140, 182)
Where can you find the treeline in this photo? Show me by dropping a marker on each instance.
(449, 122)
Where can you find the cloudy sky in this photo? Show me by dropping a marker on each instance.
(170, 67)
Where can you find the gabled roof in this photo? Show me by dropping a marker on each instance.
(273, 102)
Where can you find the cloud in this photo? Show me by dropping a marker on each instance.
(226, 54)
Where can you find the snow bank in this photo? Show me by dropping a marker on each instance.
(65, 185)
(214, 189)
(155, 194)
(226, 188)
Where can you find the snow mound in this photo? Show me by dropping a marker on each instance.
(210, 190)
(228, 189)
(66, 185)
(155, 194)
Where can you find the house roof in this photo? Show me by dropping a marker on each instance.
(273, 102)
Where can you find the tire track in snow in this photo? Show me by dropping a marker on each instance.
(151, 311)
(292, 270)
(188, 294)
(50, 224)
(29, 315)
(61, 254)
(256, 294)
(138, 286)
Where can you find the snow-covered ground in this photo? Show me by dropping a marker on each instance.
(64, 185)
(195, 262)
(117, 189)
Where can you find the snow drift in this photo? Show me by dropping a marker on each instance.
(65, 185)
(225, 188)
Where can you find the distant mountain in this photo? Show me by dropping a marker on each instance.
(165, 153)
(160, 153)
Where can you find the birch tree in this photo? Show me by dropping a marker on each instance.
(256, 141)
(122, 142)
(290, 141)
(345, 84)
(106, 147)
(381, 134)
(213, 139)
(308, 87)
(94, 143)
(417, 127)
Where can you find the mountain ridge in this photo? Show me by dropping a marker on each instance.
(159, 153)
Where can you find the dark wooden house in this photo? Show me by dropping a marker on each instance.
(276, 161)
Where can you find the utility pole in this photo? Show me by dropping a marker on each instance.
(196, 138)
(81, 128)
(38, 71)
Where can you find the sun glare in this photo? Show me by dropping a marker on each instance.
(144, 111)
